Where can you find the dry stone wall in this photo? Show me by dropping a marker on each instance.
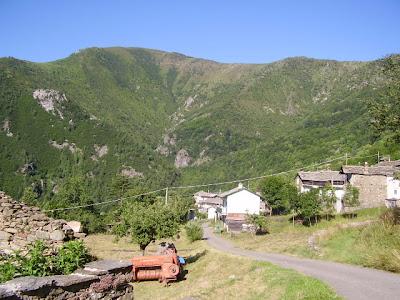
(20, 225)
(104, 279)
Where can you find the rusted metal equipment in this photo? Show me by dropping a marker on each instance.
(164, 267)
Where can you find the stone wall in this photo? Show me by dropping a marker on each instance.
(21, 225)
(104, 279)
(372, 189)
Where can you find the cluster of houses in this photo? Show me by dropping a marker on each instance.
(378, 185)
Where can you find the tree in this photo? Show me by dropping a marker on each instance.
(145, 222)
(279, 193)
(385, 111)
(309, 204)
(328, 199)
(351, 197)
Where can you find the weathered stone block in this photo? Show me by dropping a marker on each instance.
(57, 235)
(5, 236)
(42, 235)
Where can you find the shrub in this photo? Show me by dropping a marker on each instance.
(259, 222)
(7, 271)
(194, 231)
(71, 256)
(37, 262)
(382, 247)
(391, 216)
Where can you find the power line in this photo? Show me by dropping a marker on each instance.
(199, 185)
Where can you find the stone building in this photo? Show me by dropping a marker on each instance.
(306, 181)
(377, 184)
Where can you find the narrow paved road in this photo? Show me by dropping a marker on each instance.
(351, 282)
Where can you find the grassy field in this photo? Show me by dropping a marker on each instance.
(215, 275)
(284, 237)
(376, 245)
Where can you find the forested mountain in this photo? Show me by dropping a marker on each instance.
(169, 119)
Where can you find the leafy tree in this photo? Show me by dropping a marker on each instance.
(279, 193)
(386, 110)
(309, 204)
(351, 197)
(328, 199)
(145, 222)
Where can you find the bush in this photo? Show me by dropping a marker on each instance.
(37, 262)
(382, 247)
(194, 231)
(259, 222)
(391, 216)
(71, 256)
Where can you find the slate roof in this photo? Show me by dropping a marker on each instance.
(236, 190)
(322, 176)
(211, 198)
(383, 170)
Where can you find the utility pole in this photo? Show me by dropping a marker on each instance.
(166, 195)
(378, 156)
(346, 158)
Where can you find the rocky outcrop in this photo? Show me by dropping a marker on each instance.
(65, 145)
(104, 279)
(50, 100)
(20, 225)
(130, 172)
(182, 159)
(7, 128)
(100, 151)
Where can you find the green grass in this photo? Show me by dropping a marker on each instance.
(215, 275)
(375, 246)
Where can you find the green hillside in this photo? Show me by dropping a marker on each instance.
(132, 110)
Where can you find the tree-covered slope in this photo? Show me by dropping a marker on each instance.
(147, 113)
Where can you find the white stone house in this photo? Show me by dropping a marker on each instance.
(238, 203)
(306, 181)
(209, 203)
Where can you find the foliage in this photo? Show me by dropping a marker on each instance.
(386, 109)
(260, 222)
(194, 231)
(40, 262)
(391, 216)
(7, 270)
(279, 192)
(71, 256)
(242, 120)
(309, 204)
(351, 197)
(29, 196)
(147, 222)
(328, 199)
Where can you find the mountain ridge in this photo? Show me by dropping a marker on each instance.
(147, 106)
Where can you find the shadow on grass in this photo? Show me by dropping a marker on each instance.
(194, 258)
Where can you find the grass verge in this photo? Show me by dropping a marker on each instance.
(215, 275)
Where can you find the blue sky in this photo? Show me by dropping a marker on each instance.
(225, 31)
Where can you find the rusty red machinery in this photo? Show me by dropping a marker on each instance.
(164, 267)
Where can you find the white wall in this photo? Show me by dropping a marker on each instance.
(243, 202)
(393, 188)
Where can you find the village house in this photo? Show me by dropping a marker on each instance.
(378, 184)
(306, 181)
(208, 203)
(238, 203)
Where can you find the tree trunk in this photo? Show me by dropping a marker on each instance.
(143, 248)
